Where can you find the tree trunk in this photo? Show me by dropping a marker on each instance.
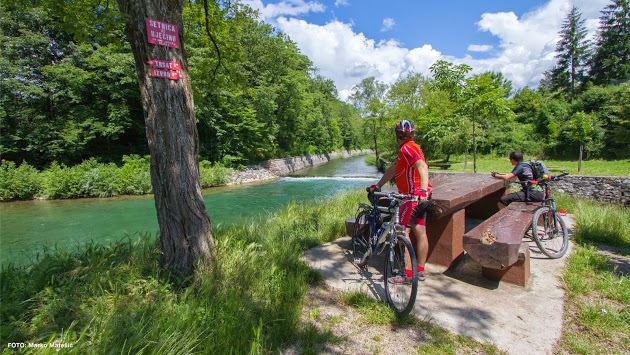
(580, 157)
(185, 227)
(374, 131)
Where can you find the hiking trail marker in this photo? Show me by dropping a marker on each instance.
(162, 33)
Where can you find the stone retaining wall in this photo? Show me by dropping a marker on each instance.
(274, 168)
(603, 188)
(286, 166)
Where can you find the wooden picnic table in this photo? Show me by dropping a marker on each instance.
(456, 196)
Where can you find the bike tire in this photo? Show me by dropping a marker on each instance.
(393, 264)
(361, 238)
(543, 213)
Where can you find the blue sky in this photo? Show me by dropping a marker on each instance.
(449, 25)
(349, 40)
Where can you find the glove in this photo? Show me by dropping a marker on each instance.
(373, 188)
(420, 210)
(422, 195)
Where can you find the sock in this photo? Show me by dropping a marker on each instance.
(408, 273)
(420, 268)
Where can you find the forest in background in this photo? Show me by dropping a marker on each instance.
(68, 93)
(69, 90)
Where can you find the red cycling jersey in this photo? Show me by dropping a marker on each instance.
(407, 178)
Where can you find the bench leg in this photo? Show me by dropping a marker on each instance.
(517, 274)
(446, 238)
(487, 206)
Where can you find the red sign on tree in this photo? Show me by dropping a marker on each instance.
(162, 33)
(165, 69)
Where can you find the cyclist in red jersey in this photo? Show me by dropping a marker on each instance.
(411, 174)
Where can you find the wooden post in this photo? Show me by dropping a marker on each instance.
(580, 157)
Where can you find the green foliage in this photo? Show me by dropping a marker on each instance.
(611, 58)
(213, 174)
(134, 177)
(18, 183)
(117, 298)
(69, 90)
(572, 55)
(91, 179)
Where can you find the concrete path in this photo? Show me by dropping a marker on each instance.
(517, 320)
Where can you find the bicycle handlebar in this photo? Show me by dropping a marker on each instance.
(549, 178)
(393, 195)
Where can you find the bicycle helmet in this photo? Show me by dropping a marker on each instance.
(405, 130)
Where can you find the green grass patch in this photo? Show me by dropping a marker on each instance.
(117, 298)
(486, 164)
(598, 222)
(597, 312)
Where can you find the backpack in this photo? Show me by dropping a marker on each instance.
(538, 169)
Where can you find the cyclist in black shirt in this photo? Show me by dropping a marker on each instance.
(523, 171)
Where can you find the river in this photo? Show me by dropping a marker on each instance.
(27, 227)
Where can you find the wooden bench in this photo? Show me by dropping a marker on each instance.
(496, 244)
(443, 166)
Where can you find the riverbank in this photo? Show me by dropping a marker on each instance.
(93, 179)
(275, 168)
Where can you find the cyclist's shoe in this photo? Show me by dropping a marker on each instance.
(400, 280)
(421, 276)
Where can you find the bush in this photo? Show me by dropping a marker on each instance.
(134, 177)
(88, 179)
(19, 183)
(213, 174)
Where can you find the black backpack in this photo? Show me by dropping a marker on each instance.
(538, 169)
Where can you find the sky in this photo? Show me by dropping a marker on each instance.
(349, 40)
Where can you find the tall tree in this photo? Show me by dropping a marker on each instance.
(572, 53)
(368, 97)
(185, 227)
(612, 54)
(483, 102)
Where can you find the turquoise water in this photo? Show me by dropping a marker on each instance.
(27, 227)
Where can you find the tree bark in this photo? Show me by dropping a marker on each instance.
(185, 227)
(580, 157)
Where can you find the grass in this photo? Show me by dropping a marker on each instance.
(487, 164)
(597, 311)
(117, 298)
(597, 222)
(438, 341)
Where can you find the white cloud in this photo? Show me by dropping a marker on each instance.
(479, 47)
(527, 43)
(525, 50)
(388, 24)
(284, 8)
(348, 57)
(342, 3)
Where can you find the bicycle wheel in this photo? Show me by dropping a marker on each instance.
(550, 233)
(399, 289)
(361, 238)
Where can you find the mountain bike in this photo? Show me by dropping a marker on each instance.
(548, 228)
(377, 231)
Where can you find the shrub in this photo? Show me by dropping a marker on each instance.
(100, 180)
(61, 181)
(134, 177)
(213, 174)
(18, 183)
